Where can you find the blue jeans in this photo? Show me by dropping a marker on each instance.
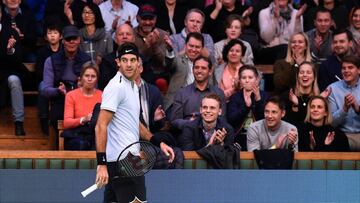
(17, 97)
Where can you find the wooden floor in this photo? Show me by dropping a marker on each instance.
(34, 138)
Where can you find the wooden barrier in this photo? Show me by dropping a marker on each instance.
(189, 155)
(265, 69)
(61, 139)
(87, 160)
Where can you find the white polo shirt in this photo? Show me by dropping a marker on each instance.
(126, 12)
(121, 96)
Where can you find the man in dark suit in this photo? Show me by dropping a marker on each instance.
(208, 129)
(151, 102)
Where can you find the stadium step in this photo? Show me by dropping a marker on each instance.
(34, 138)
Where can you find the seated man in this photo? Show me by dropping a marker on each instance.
(188, 99)
(330, 69)
(108, 67)
(344, 101)
(61, 72)
(12, 75)
(182, 66)
(320, 38)
(118, 12)
(194, 22)
(23, 21)
(150, 41)
(208, 129)
(152, 115)
(271, 132)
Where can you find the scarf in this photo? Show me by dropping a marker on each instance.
(355, 32)
(284, 19)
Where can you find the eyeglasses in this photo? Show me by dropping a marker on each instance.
(69, 39)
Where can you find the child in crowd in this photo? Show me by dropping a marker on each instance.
(53, 38)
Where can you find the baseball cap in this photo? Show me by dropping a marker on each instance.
(147, 10)
(70, 31)
(128, 48)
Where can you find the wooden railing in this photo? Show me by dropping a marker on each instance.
(19, 154)
(87, 160)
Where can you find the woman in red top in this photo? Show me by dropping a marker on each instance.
(79, 105)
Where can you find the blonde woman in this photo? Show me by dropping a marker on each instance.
(296, 99)
(298, 51)
(317, 134)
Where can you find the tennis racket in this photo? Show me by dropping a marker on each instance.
(136, 159)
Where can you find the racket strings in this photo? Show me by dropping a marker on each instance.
(132, 165)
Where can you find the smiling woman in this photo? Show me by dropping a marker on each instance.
(354, 21)
(227, 74)
(298, 51)
(297, 97)
(317, 134)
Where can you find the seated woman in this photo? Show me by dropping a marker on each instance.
(296, 99)
(354, 21)
(277, 23)
(227, 74)
(233, 31)
(95, 41)
(317, 134)
(246, 105)
(79, 105)
(298, 51)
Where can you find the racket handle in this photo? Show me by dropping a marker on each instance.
(89, 190)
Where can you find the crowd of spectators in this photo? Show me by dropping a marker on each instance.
(197, 79)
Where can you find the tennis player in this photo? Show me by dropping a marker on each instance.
(119, 125)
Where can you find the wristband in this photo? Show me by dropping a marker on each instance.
(155, 141)
(101, 158)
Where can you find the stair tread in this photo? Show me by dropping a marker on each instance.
(34, 138)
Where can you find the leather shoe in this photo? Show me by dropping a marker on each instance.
(19, 128)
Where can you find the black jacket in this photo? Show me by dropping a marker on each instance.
(26, 22)
(221, 157)
(192, 137)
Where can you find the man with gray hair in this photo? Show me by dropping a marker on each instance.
(194, 22)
